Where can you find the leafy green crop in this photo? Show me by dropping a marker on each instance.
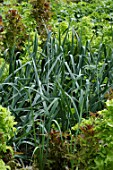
(61, 77)
(7, 128)
(91, 20)
(3, 166)
(7, 131)
(96, 139)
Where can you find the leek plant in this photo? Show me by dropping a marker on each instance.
(57, 86)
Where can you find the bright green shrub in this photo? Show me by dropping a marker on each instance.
(95, 141)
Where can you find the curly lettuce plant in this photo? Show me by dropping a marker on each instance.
(7, 131)
(95, 140)
(3, 166)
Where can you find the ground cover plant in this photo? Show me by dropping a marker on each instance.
(56, 68)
